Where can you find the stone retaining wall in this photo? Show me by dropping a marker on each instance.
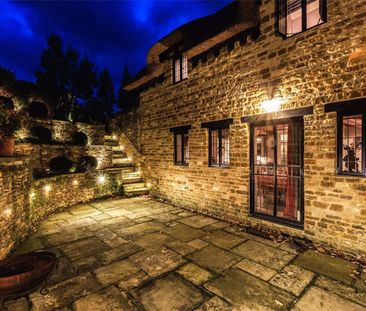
(321, 65)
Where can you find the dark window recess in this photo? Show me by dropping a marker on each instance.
(180, 69)
(219, 147)
(295, 16)
(277, 170)
(181, 145)
(351, 143)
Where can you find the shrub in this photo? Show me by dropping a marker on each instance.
(79, 138)
(10, 118)
(38, 110)
(87, 163)
(40, 134)
(60, 165)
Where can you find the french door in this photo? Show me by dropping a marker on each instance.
(277, 170)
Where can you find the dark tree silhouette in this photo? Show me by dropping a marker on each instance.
(86, 80)
(105, 96)
(127, 100)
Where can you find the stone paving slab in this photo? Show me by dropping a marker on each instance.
(216, 304)
(256, 269)
(223, 239)
(214, 258)
(198, 221)
(64, 293)
(265, 255)
(195, 274)
(334, 267)
(317, 299)
(110, 299)
(157, 261)
(123, 251)
(153, 240)
(169, 293)
(247, 292)
(184, 233)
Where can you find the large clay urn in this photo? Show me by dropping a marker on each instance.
(7, 147)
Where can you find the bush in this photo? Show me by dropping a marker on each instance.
(87, 163)
(38, 110)
(40, 134)
(60, 165)
(79, 138)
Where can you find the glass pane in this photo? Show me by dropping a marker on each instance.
(294, 17)
(186, 148)
(214, 152)
(352, 144)
(282, 13)
(184, 67)
(288, 170)
(225, 147)
(264, 169)
(178, 148)
(313, 13)
(177, 70)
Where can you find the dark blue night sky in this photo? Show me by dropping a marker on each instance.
(111, 33)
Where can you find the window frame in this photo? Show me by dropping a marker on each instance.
(340, 116)
(180, 58)
(323, 5)
(181, 130)
(219, 134)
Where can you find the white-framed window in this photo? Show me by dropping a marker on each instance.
(180, 69)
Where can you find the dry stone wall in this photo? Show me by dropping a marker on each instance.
(322, 65)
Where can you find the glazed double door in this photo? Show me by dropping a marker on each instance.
(277, 170)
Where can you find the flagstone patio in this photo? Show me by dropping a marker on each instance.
(139, 254)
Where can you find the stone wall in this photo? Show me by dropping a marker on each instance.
(62, 131)
(14, 203)
(40, 155)
(322, 65)
(25, 202)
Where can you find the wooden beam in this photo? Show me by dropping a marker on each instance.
(283, 114)
(219, 124)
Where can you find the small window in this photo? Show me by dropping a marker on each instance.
(181, 145)
(180, 69)
(295, 16)
(351, 143)
(219, 147)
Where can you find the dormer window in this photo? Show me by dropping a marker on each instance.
(180, 69)
(295, 16)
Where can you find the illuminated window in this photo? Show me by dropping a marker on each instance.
(180, 69)
(219, 147)
(181, 145)
(351, 143)
(295, 16)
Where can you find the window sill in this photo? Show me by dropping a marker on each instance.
(284, 222)
(177, 82)
(361, 175)
(285, 37)
(220, 166)
(178, 164)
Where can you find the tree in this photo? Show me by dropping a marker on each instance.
(105, 96)
(86, 80)
(127, 100)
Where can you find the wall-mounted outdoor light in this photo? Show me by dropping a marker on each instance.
(272, 105)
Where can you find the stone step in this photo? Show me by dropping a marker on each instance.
(111, 137)
(121, 169)
(119, 155)
(112, 143)
(131, 180)
(139, 191)
(116, 148)
(135, 185)
(132, 174)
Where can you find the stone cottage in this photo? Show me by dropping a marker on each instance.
(257, 114)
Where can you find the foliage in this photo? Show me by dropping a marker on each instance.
(127, 100)
(40, 135)
(60, 165)
(37, 110)
(105, 96)
(110, 186)
(80, 138)
(11, 115)
(87, 164)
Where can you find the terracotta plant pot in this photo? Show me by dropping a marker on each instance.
(7, 147)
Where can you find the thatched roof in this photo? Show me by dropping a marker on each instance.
(199, 36)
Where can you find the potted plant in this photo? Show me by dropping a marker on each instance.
(10, 122)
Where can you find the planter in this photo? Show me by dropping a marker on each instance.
(7, 147)
(22, 274)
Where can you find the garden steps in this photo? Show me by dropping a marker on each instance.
(137, 191)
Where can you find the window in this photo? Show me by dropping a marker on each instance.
(219, 142)
(180, 69)
(295, 16)
(351, 143)
(181, 145)
(276, 170)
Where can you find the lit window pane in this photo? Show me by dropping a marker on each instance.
(214, 152)
(177, 70)
(313, 13)
(225, 147)
(294, 17)
(178, 148)
(186, 148)
(352, 144)
(184, 67)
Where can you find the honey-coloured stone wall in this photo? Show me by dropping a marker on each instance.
(319, 66)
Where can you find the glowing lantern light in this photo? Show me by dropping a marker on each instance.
(272, 105)
(101, 179)
(47, 188)
(75, 182)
